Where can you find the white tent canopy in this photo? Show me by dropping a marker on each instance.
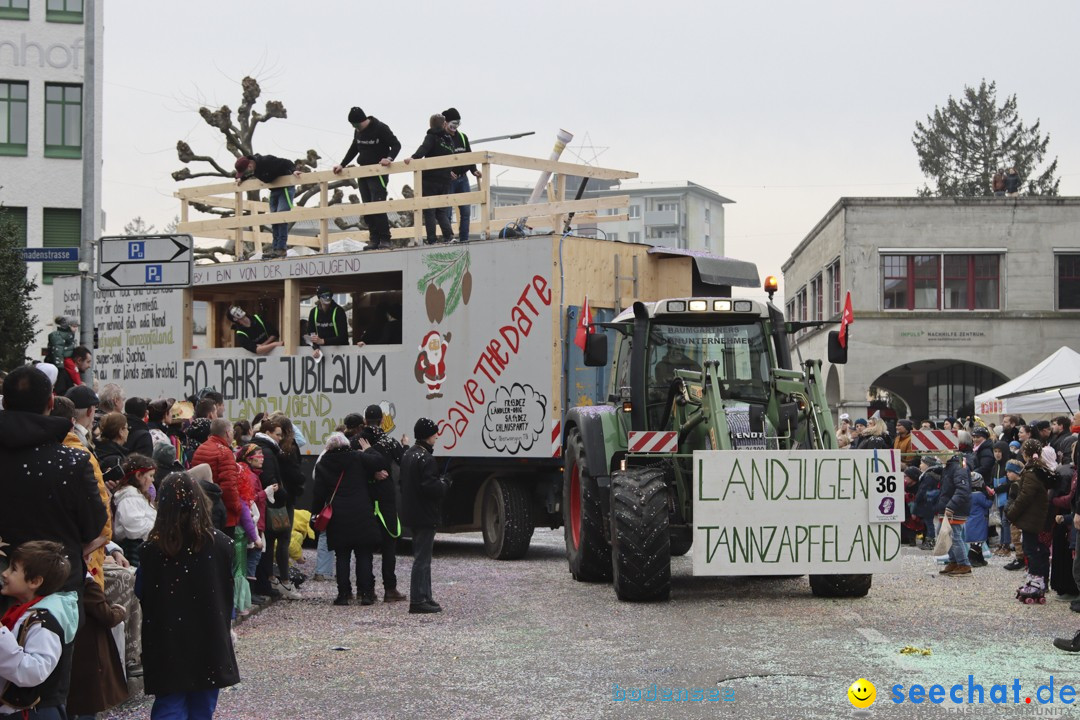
(1037, 391)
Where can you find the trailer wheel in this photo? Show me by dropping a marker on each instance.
(640, 542)
(507, 519)
(840, 586)
(587, 550)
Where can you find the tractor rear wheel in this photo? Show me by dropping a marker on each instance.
(507, 519)
(640, 543)
(587, 550)
(840, 586)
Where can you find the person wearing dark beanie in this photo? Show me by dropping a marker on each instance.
(422, 491)
(459, 176)
(373, 143)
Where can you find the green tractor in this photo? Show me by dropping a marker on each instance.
(689, 374)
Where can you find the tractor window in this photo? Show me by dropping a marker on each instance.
(741, 351)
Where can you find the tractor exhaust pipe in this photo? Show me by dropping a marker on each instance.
(639, 392)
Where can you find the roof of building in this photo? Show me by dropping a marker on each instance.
(658, 188)
(949, 202)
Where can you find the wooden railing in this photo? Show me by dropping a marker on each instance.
(245, 224)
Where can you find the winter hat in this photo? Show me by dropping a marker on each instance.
(50, 370)
(356, 115)
(1014, 445)
(373, 414)
(913, 473)
(82, 396)
(929, 460)
(977, 481)
(199, 430)
(323, 293)
(425, 428)
(1002, 446)
(1014, 466)
(861, 421)
(980, 431)
(242, 164)
(201, 473)
(451, 115)
(906, 423)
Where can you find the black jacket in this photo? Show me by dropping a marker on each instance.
(196, 654)
(269, 168)
(422, 488)
(47, 491)
(250, 338)
(982, 461)
(139, 440)
(955, 489)
(331, 325)
(372, 144)
(1012, 182)
(271, 469)
(218, 515)
(353, 523)
(292, 477)
(110, 456)
(460, 142)
(436, 144)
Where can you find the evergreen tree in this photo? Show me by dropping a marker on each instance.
(963, 144)
(16, 322)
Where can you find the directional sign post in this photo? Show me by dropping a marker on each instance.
(145, 261)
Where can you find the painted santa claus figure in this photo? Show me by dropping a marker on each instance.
(431, 363)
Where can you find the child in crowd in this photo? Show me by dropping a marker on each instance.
(912, 523)
(186, 572)
(37, 633)
(1027, 509)
(1000, 483)
(978, 523)
(1019, 562)
(135, 514)
(249, 460)
(926, 496)
(97, 675)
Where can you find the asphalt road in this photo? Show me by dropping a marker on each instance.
(522, 639)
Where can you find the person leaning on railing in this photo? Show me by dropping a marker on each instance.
(267, 169)
(373, 143)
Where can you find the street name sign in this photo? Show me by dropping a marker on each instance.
(51, 254)
(145, 261)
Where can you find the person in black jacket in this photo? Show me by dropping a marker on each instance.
(327, 322)
(459, 180)
(47, 491)
(267, 169)
(252, 332)
(436, 143)
(347, 480)
(981, 459)
(386, 510)
(373, 143)
(953, 507)
(422, 491)
(139, 440)
(269, 439)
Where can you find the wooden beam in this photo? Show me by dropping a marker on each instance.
(290, 328)
(187, 311)
(588, 218)
(418, 216)
(238, 209)
(563, 168)
(515, 211)
(324, 224)
(333, 211)
(485, 204)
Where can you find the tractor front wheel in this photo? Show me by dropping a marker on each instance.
(640, 543)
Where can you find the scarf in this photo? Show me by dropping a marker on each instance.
(17, 611)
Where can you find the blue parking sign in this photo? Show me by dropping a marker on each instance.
(136, 250)
(153, 274)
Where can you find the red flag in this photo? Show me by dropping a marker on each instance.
(583, 325)
(846, 319)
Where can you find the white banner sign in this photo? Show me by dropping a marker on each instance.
(794, 512)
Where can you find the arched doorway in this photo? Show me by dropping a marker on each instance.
(936, 389)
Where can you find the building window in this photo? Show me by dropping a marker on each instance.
(941, 282)
(1068, 282)
(707, 215)
(13, 114)
(667, 206)
(15, 9)
(708, 244)
(834, 289)
(802, 304)
(816, 297)
(60, 228)
(613, 236)
(63, 121)
(634, 237)
(791, 310)
(16, 215)
(635, 212)
(65, 11)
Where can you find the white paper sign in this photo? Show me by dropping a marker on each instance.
(762, 512)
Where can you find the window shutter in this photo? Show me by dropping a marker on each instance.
(61, 228)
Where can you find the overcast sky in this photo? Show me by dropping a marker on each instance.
(781, 106)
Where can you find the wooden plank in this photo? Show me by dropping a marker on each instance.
(183, 211)
(238, 209)
(290, 327)
(307, 240)
(333, 211)
(589, 218)
(324, 224)
(485, 203)
(560, 196)
(555, 166)
(359, 171)
(418, 216)
(212, 324)
(515, 211)
(187, 310)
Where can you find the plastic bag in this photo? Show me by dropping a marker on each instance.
(944, 539)
(995, 516)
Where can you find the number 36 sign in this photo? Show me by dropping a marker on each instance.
(886, 491)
